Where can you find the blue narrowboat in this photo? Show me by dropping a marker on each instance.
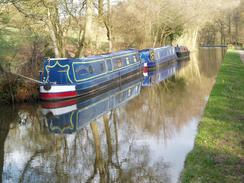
(70, 115)
(153, 57)
(65, 78)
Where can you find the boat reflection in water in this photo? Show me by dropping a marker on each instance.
(160, 74)
(70, 115)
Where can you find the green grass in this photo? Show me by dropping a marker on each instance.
(218, 153)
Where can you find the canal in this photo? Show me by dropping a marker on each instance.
(140, 131)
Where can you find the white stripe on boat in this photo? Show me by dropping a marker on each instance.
(58, 59)
(145, 74)
(59, 111)
(58, 89)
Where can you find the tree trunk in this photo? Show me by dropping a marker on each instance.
(53, 35)
(241, 27)
(100, 8)
(88, 25)
(229, 29)
(80, 43)
(108, 25)
(5, 122)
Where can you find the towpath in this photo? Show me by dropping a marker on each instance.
(242, 56)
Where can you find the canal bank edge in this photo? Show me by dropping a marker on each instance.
(218, 154)
(242, 56)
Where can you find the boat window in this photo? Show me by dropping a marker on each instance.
(109, 64)
(129, 92)
(84, 71)
(127, 61)
(117, 63)
(134, 58)
(164, 53)
(102, 67)
(90, 69)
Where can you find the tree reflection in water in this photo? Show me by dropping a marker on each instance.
(5, 126)
(125, 144)
(135, 164)
(92, 154)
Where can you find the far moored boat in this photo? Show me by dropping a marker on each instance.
(182, 52)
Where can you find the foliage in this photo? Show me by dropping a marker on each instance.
(15, 90)
(226, 28)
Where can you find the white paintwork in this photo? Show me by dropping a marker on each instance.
(57, 89)
(145, 74)
(59, 111)
(58, 58)
(145, 64)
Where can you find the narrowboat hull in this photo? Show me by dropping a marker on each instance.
(61, 92)
(183, 55)
(69, 78)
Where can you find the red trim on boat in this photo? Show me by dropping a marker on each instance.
(53, 105)
(145, 69)
(56, 96)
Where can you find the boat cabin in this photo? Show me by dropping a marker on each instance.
(76, 70)
(155, 56)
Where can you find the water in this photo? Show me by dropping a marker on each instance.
(140, 131)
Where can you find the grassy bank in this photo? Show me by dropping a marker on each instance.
(218, 154)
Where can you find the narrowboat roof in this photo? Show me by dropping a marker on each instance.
(120, 53)
(181, 49)
(100, 57)
(57, 58)
(147, 49)
(164, 47)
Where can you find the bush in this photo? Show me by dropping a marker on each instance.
(17, 90)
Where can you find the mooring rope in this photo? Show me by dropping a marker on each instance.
(31, 79)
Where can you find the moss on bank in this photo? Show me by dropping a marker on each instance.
(218, 154)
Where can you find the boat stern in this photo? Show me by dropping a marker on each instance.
(57, 92)
(147, 58)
